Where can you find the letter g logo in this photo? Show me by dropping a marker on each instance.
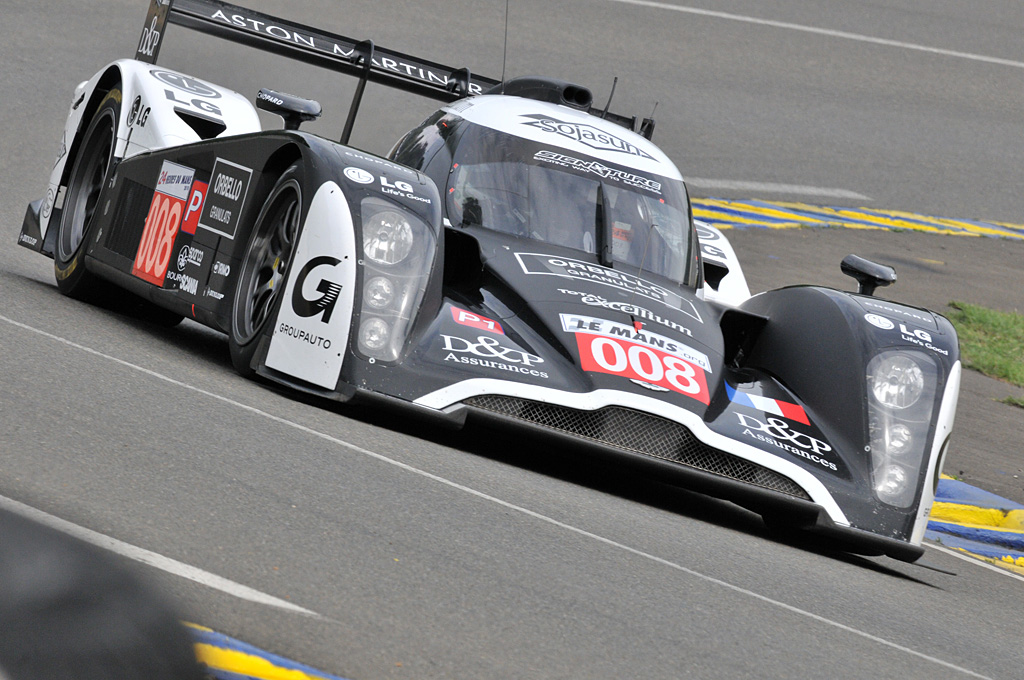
(331, 290)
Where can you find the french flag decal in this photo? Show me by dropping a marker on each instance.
(773, 406)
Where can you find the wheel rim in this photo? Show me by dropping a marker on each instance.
(85, 187)
(266, 263)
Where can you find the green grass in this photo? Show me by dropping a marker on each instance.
(1013, 401)
(991, 342)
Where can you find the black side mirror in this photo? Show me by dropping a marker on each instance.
(294, 110)
(869, 275)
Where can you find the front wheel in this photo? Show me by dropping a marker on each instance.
(85, 184)
(265, 267)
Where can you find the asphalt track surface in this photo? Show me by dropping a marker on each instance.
(427, 554)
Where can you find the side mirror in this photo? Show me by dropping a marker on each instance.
(869, 275)
(294, 110)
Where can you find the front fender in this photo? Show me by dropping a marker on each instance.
(828, 348)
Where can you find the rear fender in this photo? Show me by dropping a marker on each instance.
(160, 108)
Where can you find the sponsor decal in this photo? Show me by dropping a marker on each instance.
(321, 43)
(225, 198)
(149, 42)
(184, 282)
(705, 236)
(215, 294)
(779, 433)
(577, 323)
(489, 347)
(482, 323)
(596, 168)
(196, 197)
(488, 352)
(162, 222)
(636, 361)
(879, 322)
(221, 268)
(48, 204)
(323, 305)
(585, 134)
(267, 97)
(393, 188)
(400, 188)
(30, 240)
(313, 340)
(775, 407)
(627, 308)
(187, 84)
(916, 336)
(358, 175)
(190, 255)
(567, 267)
(138, 113)
(919, 316)
(380, 161)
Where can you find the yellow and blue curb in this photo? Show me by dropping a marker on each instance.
(730, 214)
(225, 658)
(974, 521)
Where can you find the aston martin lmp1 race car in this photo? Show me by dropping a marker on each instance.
(521, 256)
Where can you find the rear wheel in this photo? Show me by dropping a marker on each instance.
(85, 184)
(265, 267)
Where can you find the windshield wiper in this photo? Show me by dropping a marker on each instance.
(604, 229)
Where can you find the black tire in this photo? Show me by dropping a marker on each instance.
(88, 176)
(265, 267)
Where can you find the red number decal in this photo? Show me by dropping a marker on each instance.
(157, 240)
(618, 356)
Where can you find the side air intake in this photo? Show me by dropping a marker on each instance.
(206, 128)
(546, 90)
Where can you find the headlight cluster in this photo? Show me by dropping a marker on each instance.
(398, 249)
(901, 395)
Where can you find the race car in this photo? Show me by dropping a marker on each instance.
(521, 257)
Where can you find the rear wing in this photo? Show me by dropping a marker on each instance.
(303, 43)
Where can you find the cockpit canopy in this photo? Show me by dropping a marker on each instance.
(549, 193)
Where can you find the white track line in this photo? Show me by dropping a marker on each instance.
(768, 187)
(492, 499)
(148, 557)
(822, 31)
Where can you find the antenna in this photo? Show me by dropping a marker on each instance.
(504, 50)
(615, 81)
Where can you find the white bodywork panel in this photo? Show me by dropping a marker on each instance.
(715, 249)
(311, 335)
(566, 128)
(150, 98)
(943, 426)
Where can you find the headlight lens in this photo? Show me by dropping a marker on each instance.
(373, 335)
(387, 237)
(399, 249)
(379, 292)
(891, 484)
(897, 381)
(901, 387)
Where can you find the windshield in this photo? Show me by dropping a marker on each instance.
(532, 190)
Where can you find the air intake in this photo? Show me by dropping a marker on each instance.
(641, 433)
(546, 90)
(206, 128)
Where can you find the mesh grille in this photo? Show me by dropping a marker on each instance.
(129, 219)
(639, 432)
